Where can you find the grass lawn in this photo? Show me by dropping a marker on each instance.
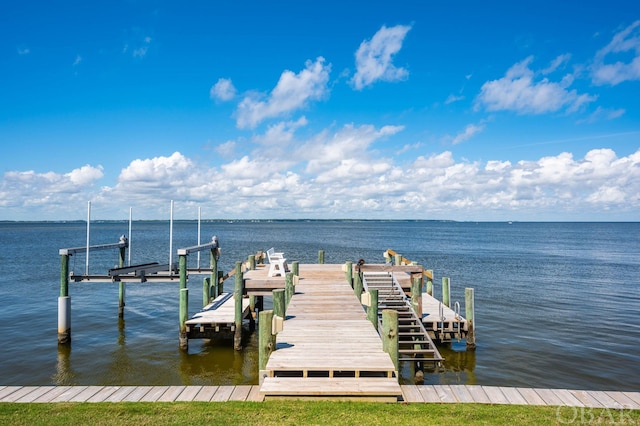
(304, 413)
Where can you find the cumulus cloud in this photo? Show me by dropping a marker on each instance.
(374, 57)
(468, 133)
(223, 90)
(293, 91)
(624, 44)
(521, 92)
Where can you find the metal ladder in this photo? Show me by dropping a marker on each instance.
(414, 342)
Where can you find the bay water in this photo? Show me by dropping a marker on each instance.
(557, 304)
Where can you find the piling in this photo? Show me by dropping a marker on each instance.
(64, 302)
(121, 284)
(213, 260)
(321, 257)
(266, 340)
(206, 291)
(469, 302)
(279, 305)
(295, 268)
(446, 292)
(390, 335)
(184, 303)
(372, 310)
(237, 294)
(288, 287)
(416, 295)
(398, 260)
(430, 282)
(252, 261)
(348, 270)
(220, 286)
(357, 284)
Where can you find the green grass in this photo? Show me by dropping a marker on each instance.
(303, 413)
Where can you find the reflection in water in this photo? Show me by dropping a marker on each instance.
(457, 368)
(64, 375)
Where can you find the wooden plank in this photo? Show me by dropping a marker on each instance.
(205, 393)
(120, 394)
(549, 397)
(623, 400)
(429, 393)
(567, 398)
(586, 399)
(495, 395)
(255, 395)
(33, 396)
(189, 393)
(315, 386)
(19, 393)
(87, 393)
(69, 393)
(531, 396)
(154, 393)
(634, 396)
(137, 393)
(410, 393)
(103, 394)
(53, 393)
(222, 394)
(478, 394)
(445, 394)
(240, 393)
(8, 390)
(461, 393)
(171, 394)
(513, 396)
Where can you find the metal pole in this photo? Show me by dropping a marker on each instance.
(86, 268)
(130, 227)
(171, 237)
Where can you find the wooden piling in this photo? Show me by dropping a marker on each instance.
(288, 287)
(348, 270)
(469, 302)
(266, 340)
(213, 261)
(206, 291)
(398, 260)
(390, 335)
(321, 257)
(279, 305)
(416, 294)
(252, 262)
(295, 268)
(357, 285)
(121, 284)
(446, 292)
(184, 302)
(64, 303)
(430, 282)
(237, 294)
(372, 311)
(220, 284)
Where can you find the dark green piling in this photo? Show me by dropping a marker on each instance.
(184, 303)
(430, 282)
(390, 335)
(288, 287)
(321, 257)
(266, 341)
(372, 310)
(279, 305)
(446, 292)
(237, 294)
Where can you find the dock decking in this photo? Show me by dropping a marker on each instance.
(328, 348)
(218, 316)
(612, 400)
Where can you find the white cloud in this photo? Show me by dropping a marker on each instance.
(293, 91)
(519, 91)
(374, 57)
(22, 50)
(223, 90)
(607, 70)
(77, 61)
(468, 133)
(453, 98)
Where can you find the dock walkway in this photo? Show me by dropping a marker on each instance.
(612, 400)
(327, 346)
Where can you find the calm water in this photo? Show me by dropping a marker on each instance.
(557, 304)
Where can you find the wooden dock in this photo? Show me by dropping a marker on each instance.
(328, 348)
(439, 394)
(216, 318)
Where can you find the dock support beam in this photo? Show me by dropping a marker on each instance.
(64, 303)
(469, 301)
(446, 292)
(184, 303)
(237, 294)
(390, 335)
(266, 341)
(372, 310)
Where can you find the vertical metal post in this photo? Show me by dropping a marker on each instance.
(86, 268)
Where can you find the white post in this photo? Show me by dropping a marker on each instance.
(130, 223)
(198, 237)
(86, 268)
(171, 237)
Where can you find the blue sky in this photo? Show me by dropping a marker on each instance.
(458, 110)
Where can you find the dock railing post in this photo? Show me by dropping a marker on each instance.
(279, 305)
(64, 302)
(430, 282)
(469, 302)
(288, 287)
(266, 341)
(237, 294)
(184, 303)
(390, 335)
(321, 257)
(372, 310)
(446, 292)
